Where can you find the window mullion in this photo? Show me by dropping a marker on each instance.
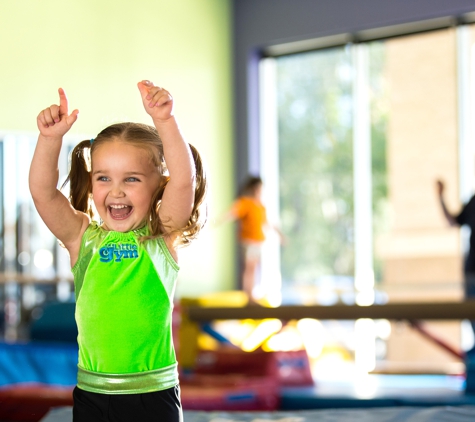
(364, 274)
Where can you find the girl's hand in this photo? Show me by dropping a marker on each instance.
(54, 121)
(157, 101)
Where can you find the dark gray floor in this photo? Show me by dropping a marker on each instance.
(398, 414)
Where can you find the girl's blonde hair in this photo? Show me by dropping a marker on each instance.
(146, 137)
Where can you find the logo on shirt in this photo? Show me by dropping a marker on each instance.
(118, 251)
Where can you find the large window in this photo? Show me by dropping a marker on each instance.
(315, 164)
(353, 140)
(363, 132)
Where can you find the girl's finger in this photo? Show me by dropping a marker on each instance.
(41, 119)
(63, 101)
(55, 113)
(72, 117)
(152, 92)
(163, 99)
(48, 117)
(160, 97)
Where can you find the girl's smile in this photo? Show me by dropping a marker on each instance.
(120, 212)
(124, 180)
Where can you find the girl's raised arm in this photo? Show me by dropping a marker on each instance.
(178, 198)
(60, 217)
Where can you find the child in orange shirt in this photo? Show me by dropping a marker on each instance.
(251, 214)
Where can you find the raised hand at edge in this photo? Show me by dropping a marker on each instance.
(157, 101)
(54, 121)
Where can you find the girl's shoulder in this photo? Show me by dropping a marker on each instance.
(94, 229)
(93, 235)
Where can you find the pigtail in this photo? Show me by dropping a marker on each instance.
(79, 178)
(199, 214)
(197, 219)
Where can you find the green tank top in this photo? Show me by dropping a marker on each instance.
(124, 300)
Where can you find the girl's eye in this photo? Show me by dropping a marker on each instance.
(132, 179)
(102, 179)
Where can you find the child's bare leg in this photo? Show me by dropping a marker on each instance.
(249, 276)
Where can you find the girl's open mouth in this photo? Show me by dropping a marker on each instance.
(120, 212)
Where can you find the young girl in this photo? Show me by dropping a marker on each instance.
(146, 184)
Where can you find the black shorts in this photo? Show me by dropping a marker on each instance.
(158, 406)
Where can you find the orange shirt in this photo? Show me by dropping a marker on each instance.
(252, 216)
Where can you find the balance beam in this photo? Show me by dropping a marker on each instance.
(393, 311)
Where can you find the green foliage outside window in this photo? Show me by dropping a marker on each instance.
(316, 160)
